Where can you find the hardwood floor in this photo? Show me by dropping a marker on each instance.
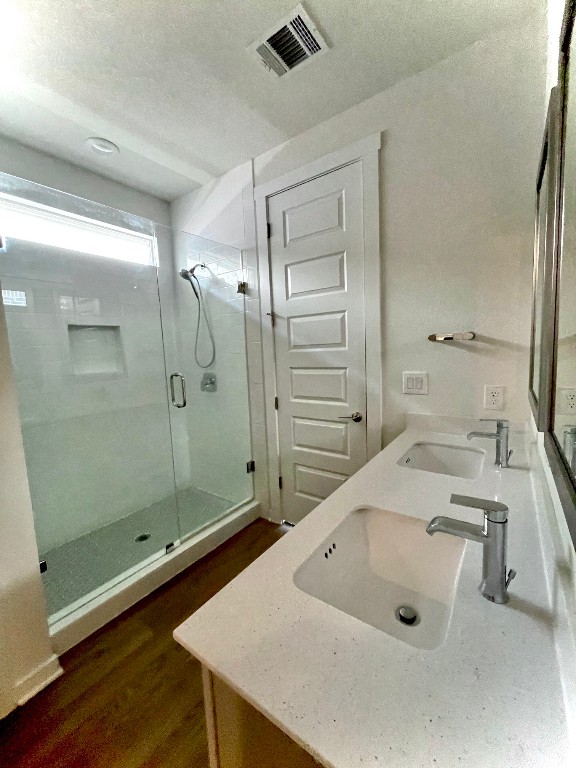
(130, 696)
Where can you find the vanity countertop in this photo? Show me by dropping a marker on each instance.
(351, 695)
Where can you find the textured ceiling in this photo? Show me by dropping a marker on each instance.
(170, 81)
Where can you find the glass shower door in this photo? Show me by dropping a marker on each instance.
(87, 352)
(211, 435)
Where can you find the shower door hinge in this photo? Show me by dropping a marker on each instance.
(280, 483)
(170, 547)
(250, 466)
(242, 287)
(276, 403)
(43, 566)
(268, 230)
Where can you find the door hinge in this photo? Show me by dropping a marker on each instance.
(43, 566)
(169, 547)
(251, 466)
(280, 483)
(272, 317)
(276, 403)
(268, 230)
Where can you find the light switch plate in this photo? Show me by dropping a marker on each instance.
(415, 383)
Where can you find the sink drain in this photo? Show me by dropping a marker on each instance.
(407, 615)
(143, 537)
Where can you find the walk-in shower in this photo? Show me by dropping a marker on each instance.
(98, 322)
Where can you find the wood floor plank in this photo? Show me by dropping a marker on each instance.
(130, 696)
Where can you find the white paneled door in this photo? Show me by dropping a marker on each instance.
(316, 250)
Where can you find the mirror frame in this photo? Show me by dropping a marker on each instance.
(544, 262)
(565, 483)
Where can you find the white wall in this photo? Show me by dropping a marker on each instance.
(461, 144)
(554, 15)
(27, 163)
(26, 659)
(214, 211)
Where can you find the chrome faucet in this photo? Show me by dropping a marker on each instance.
(501, 437)
(492, 535)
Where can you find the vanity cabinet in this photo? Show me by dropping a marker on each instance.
(241, 737)
(292, 680)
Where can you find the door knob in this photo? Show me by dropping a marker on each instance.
(356, 416)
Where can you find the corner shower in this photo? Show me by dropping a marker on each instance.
(97, 322)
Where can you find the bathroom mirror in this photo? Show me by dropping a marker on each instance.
(564, 412)
(545, 231)
(560, 432)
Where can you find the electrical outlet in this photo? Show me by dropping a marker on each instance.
(567, 402)
(494, 397)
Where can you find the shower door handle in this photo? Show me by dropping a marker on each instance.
(183, 385)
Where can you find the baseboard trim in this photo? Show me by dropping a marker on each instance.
(79, 625)
(38, 679)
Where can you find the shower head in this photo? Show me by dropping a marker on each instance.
(187, 274)
(195, 267)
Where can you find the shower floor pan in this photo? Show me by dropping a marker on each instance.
(81, 566)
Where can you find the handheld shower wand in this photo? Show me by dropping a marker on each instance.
(188, 274)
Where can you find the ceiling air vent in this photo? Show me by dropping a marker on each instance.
(291, 42)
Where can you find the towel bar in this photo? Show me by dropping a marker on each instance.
(460, 336)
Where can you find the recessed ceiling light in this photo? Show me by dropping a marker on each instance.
(102, 147)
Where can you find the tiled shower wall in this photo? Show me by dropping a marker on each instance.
(88, 360)
(224, 211)
(218, 422)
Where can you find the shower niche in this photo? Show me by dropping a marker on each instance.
(96, 350)
(120, 478)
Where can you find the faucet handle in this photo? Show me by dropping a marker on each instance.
(487, 505)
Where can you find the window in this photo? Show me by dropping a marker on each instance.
(24, 220)
(14, 298)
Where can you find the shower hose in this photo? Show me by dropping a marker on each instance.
(202, 313)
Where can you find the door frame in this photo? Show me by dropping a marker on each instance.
(367, 152)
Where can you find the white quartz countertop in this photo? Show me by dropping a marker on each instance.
(351, 695)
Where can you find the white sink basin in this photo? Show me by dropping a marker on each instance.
(376, 561)
(455, 460)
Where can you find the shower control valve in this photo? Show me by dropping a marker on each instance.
(208, 383)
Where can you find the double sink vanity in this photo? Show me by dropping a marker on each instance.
(362, 638)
